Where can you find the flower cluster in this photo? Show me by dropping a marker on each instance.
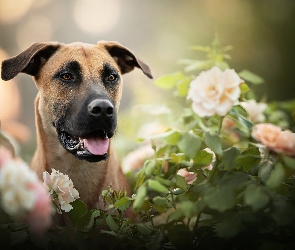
(23, 197)
(61, 188)
(274, 138)
(255, 110)
(214, 92)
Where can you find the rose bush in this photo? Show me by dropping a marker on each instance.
(221, 175)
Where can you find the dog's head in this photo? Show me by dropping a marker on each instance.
(80, 87)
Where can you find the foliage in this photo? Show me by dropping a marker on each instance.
(245, 202)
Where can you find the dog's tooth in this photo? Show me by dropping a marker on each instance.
(77, 146)
(81, 143)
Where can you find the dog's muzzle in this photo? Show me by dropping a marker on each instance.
(91, 139)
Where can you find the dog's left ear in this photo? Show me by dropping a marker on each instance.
(125, 58)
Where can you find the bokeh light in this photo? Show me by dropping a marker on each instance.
(11, 11)
(96, 16)
(36, 29)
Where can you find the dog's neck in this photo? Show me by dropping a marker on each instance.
(88, 177)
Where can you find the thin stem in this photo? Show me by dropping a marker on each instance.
(220, 124)
(172, 200)
(198, 220)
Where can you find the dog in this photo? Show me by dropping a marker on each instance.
(79, 91)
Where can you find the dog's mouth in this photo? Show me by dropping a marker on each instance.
(92, 147)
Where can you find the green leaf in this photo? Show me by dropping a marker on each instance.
(180, 182)
(190, 144)
(171, 137)
(206, 49)
(160, 204)
(222, 65)
(183, 86)
(157, 186)
(229, 158)
(265, 170)
(232, 180)
(219, 199)
(139, 198)
(202, 159)
(189, 208)
(143, 229)
(248, 158)
(214, 143)
(277, 176)
(159, 201)
(123, 203)
(251, 77)
(164, 181)
(149, 166)
(244, 89)
(91, 219)
(169, 81)
(175, 215)
(79, 210)
(289, 162)
(112, 224)
(229, 226)
(256, 197)
(177, 157)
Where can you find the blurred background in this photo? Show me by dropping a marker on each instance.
(262, 33)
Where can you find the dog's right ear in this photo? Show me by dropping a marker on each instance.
(29, 61)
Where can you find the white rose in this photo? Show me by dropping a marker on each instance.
(60, 185)
(214, 92)
(16, 196)
(255, 110)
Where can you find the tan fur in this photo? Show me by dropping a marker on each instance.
(89, 178)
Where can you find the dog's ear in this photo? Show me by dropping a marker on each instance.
(125, 58)
(29, 61)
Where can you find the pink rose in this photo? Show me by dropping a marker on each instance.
(39, 217)
(189, 177)
(23, 196)
(5, 155)
(274, 138)
(285, 143)
(266, 133)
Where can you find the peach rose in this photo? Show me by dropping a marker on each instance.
(285, 143)
(274, 138)
(266, 133)
(214, 92)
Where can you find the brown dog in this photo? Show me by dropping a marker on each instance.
(80, 87)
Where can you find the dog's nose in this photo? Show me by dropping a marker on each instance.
(101, 108)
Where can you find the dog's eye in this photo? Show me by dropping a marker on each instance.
(66, 76)
(112, 77)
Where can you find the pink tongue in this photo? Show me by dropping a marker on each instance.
(97, 146)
